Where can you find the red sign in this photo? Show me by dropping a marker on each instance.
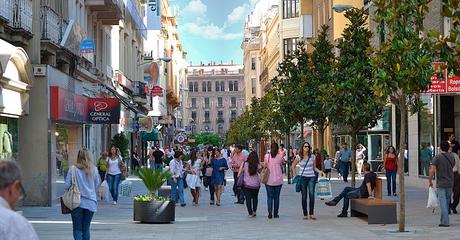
(438, 79)
(124, 81)
(453, 83)
(104, 110)
(67, 106)
(157, 91)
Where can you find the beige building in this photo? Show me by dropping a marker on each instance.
(215, 97)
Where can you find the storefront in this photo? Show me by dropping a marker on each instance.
(16, 80)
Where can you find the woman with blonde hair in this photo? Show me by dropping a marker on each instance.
(87, 181)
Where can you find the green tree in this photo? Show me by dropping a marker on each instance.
(317, 84)
(121, 141)
(353, 96)
(402, 67)
(205, 139)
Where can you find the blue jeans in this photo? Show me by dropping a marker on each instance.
(158, 166)
(179, 186)
(273, 198)
(307, 188)
(347, 194)
(345, 167)
(444, 196)
(81, 221)
(113, 181)
(391, 181)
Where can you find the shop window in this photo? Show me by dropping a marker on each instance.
(8, 138)
(426, 134)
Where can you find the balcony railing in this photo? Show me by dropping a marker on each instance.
(21, 15)
(50, 21)
(5, 10)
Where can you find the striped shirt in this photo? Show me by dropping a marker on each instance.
(308, 172)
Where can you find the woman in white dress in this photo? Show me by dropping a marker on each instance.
(194, 179)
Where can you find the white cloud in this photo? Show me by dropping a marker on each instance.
(210, 31)
(195, 7)
(238, 14)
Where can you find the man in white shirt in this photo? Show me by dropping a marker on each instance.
(13, 226)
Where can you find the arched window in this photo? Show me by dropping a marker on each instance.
(195, 86)
(209, 87)
(230, 86)
(203, 86)
(235, 86)
(190, 86)
(217, 86)
(222, 86)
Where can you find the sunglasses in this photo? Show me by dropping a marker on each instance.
(306, 146)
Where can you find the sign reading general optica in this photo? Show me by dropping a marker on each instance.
(103, 110)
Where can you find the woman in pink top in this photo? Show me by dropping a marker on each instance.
(275, 180)
(251, 182)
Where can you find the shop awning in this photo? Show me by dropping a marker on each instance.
(123, 100)
(152, 136)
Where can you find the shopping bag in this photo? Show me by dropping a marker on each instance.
(323, 188)
(103, 192)
(433, 201)
(191, 180)
(126, 187)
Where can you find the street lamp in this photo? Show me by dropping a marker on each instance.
(339, 8)
(148, 60)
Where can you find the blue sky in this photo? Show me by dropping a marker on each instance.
(212, 30)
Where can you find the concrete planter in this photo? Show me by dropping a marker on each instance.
(154, 212)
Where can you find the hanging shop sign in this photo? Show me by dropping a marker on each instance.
(438, 79)
(157, 91)
(124, 81)
(153, 12)
(151, 72)
(453, 83)
(180, 138)
(145, 124)
(67, 106)
(104, 110)
(87, 46)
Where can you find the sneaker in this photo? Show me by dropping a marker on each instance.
(330, 203)
(312, 217)
(254, 214)
(395, 194)
(343, 215)
(183, 205)
(270, 216)
(305, 217)
(114, 202)
(444, 225)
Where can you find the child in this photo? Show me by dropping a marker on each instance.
(328, 167)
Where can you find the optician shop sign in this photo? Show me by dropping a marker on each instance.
(103, 110)
(442, 81)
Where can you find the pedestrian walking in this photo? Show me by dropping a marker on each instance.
(13, 226)
(102, 165)
(345, 158)
(328, 167)
(251, 182)
(318, 162)
(87, 180)
(273, 161)
(176, 168)
(364, 191)
(307, 172)
(195, 170)
(390, 162)
(114, 173)
(442, 166)
(456, 189)
(337, 162)
(135, 163)
(237, 159)
(360, 149)
(158, 157)
(219, 166)
(207, 171)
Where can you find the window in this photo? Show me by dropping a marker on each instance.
(230, 86)
(253, 63)
(206, 102)
(220, 102)
(209, 87)
(193, 102)
(206, 116)
(220, 129)
(290, 45)
(203, 86)
(217, 87)
(194, 116)
(190, 86)
(253, 85)
(233, 116)
(220, 116)
(290, 8)
(222, 86)
(233, 102)
(427, 134)
(195, 86)
(235, 86)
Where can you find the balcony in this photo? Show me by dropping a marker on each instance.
(18, 15)
(5, 10)
(220, 120)
(51, 25)
(139, 94)
(108, 11)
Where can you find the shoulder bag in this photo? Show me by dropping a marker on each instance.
(240, 180)
(72, 196)
(297, 178)
(208, 172)
(265, 172)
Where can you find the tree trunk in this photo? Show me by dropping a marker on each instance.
(353, 158)
(288, 143)
(402, 141)
(321, 137)
(301, 132)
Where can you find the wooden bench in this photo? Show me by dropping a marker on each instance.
(378, 211)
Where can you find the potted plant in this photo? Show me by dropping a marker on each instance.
(152, 207)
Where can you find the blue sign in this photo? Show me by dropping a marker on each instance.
(153, 13)
(147, 78)
(87, 46)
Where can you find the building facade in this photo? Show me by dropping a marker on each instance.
(216, 97)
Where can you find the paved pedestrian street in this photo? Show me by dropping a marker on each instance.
(230, 221)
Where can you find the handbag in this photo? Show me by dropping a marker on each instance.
(64, 208)
(72, 196)
(240, 180)
(297, 178)
(208, 172)
(323, 188)
(126, 187)
(264, 173)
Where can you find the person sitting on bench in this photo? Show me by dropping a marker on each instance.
(364, 191)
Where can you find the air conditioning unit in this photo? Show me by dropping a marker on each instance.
(39, 71)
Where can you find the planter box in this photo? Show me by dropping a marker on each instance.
(156, 212)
